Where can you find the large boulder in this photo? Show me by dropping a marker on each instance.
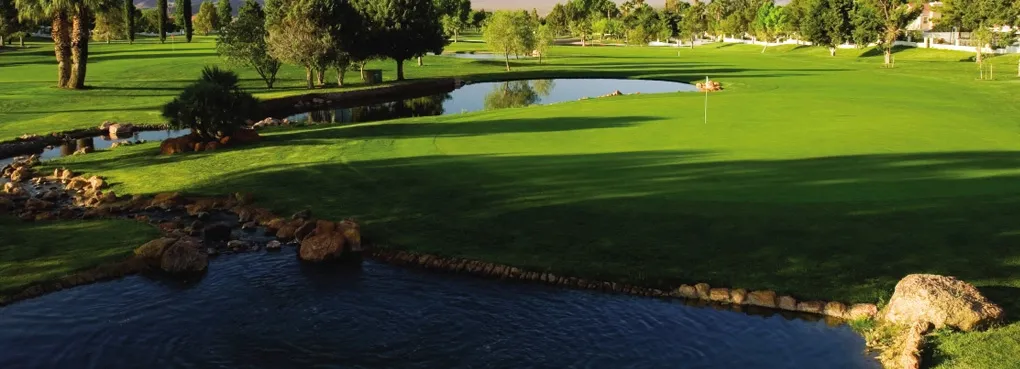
(154, 249)
(942, 301)
(178, 145)
(244, 136)
(168, 200)
(330, 241)
(184, 256)
(118, 130)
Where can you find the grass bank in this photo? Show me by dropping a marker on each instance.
(130, 82)
(39, 252)
(827, 178)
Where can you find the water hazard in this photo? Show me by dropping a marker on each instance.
(270, 311)
(490, 96)
(469, 98)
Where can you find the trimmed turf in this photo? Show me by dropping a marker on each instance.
(43, 251)
(827, 178)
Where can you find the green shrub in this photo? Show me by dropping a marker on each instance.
(213, 107)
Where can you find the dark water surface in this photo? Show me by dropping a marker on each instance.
(102, 143)
(269, 311)
(473, 97)
(492, 95)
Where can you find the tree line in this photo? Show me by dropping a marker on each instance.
(827, 23)
(314, 34)
(338, 35)
(319, 35)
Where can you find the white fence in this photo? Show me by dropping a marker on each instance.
(927, 43)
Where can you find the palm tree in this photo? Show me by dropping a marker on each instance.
(57, 12)
(81, 20)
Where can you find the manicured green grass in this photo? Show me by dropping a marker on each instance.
(827, 178)
(44, 251)
(996, 348)
(130, 82)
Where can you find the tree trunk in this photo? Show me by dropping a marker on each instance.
(320, 76)
(420, 62)
(363, 77)
(79, 47)
(400, 70)
(832, 51)
(340, 73)
(308, 77)
(888, 56)
(506, 56)
(62, 48)
(456, 34)
(2, 44)
(21, 41)
(979, 56)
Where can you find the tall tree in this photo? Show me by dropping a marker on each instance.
(827, 23)
(224, 13)
(81, 23)
(979, 16)
(558, 19)
(894, 16)
(182, 18)
(672, 6)
(508, 32)
(129, 20)
(161, 19)
(9, 23)
(581, 27)
(695, 22)
(243, 42)
(543, 40)
(295, 35)
(769, 22)
(404, 29)
(58, 13)
(109, 24)
(207, 19)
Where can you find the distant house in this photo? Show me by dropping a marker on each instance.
(929, 16)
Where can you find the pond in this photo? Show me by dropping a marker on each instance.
(102, 143)
(492, 95)
(267, 310)
(469, 98)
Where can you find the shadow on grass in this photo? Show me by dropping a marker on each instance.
(877, 51)
(150, 55)
(844, 228)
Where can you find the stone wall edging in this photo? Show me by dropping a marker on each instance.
(702, 291)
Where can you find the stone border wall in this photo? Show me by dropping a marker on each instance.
(702, 291)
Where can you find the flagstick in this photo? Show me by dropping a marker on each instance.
(706, 99)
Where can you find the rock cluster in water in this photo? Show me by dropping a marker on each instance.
(709, 86)
(193, 228)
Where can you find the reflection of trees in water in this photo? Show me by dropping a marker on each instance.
(417, 107)
(543, 87)
(515, 94)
